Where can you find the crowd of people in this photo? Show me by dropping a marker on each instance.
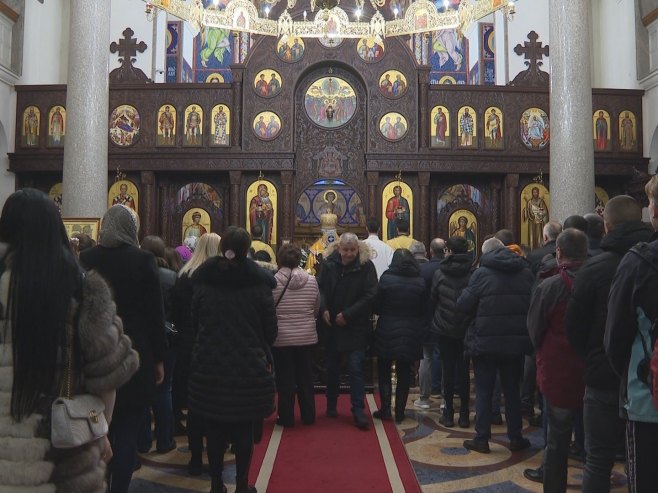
(187, 340)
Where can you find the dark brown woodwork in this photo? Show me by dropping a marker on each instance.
(512, 204)
(368, 161)
(534, 52)
(650, 17)
(424, 208)
(8, 12)
(285, 212)
(127, 49)
(235, 179)
(148, 204)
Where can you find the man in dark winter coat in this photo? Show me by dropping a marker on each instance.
(348, 285)
(560, 370)
(551, 231)
(449, 325)
(632, 312)
(497, 295)
(585, 324)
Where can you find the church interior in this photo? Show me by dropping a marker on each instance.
(465, 121)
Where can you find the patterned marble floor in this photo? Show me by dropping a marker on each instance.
(443, 465)
(440, 462)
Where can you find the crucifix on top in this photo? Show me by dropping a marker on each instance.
(535, 52)
(127, 49)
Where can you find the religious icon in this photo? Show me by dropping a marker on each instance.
(215, 79)
(31, 122)
(125, 123)
(196, 222)
(220, 125)
(399, 203)
(393, 126)
(601, 126)
(85, 226)
(196, 192)
(290, 48)
(467, 127)
(261, 207)
(267, 125)
(493, 128)
(534, 129)
(463, 223)
(330, 102)
(56, 126)
(627, 131)
(267, 83)
(55, 194)
(193, 125)
(330, 202)
(370, 49)
(440, 127)
(123, 192)
(600, 200)
(534, 214)
(392, 84)
(166, 125)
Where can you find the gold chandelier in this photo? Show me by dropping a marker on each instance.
(328, 20)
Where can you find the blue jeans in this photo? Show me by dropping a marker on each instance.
(486, 368)
(556, 454)
(604, 434)
(355, 361)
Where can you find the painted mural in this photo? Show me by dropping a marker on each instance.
(330, 196)
(267, 83)
(124, 192)
(55, 194)
(627, 131)
(212, 49)
(600, 200)
(56, 126)
(220, 125)
(198, 192)
(601, 131)
(392, 84)
(462, 194)
(371, 49)
(467, 127)
(266, 125)
(535, 202)
(193, 121)
(534, 129)
(397, 205)
(464, 224)
(125, 122)
(261, 205)
(31, 125)
(290, 49)
(166, 126)
(196, 222)
(330, 102)
(440, 127)
(393, 126)
(493, 128)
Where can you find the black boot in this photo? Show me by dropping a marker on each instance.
(217, 485)
(447, 419)
(242, 486)
(464, 420)
(385, 409)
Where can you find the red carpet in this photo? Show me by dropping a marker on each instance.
(333, 456)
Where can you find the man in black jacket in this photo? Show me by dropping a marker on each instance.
(348, 285)
(498, 296)
(585, 325)
(632, 310)
(551, 231)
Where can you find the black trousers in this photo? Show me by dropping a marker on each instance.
(403, 375)
(241, 435)
(455, 371)
(294, 376)
(641, 449)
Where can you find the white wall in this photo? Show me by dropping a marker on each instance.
(7, 128)
(650, 121)
(46, 32)
(531, 15)
(130, 13)
(613, 46)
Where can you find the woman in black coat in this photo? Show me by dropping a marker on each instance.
(133, 276)
(231, 383)
(401, 303)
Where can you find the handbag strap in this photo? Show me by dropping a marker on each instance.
(284, 291)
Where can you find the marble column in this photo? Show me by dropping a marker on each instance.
(571, 148)
(84, 183)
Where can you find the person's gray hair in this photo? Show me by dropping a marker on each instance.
(491, 244)
(552, 229)
(348, 238)
(437, 245)
(417, 248)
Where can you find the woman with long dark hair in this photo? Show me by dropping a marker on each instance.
(231, 380)
(46, 298)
